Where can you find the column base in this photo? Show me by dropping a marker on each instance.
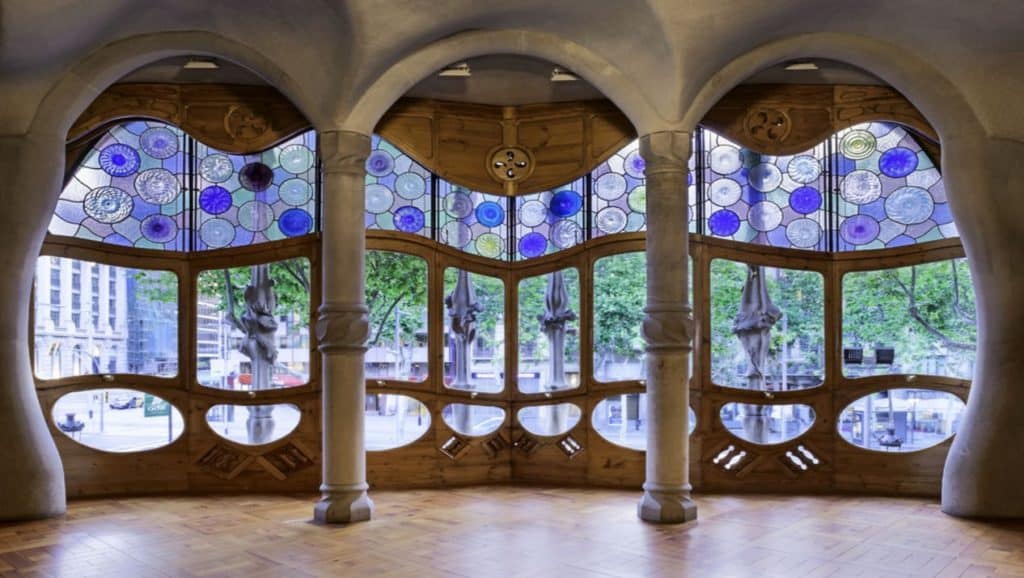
(667, 507)
(340, 506)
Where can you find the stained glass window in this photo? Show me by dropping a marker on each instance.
(474, 222)
(764, 199)
(890, 192)
(255, 198)
(141, 186)
(619, 202)
(398, 191)
(550, 221)
(128, 190)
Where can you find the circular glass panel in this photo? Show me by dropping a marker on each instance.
(767, 424)
(473, 420)
(901, 420)
(394, 421)
(549, 420)
(118, 420)
(253, 425)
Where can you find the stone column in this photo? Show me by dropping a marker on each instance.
(342, 329)
(668, 331)
(32, 483)
(984, 470)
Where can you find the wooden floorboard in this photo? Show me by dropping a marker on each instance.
(509, 532)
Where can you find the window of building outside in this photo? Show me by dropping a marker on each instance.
(139, 336)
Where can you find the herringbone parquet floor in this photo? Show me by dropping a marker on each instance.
(502, 531)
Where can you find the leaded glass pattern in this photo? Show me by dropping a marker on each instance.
(256, 198)
(473, 222)
(764, 199)
(128, 190)
(398, 191)
(619, 199)
(550, 221)
(890, 192)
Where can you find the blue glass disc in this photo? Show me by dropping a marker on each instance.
(898, 162)
(565, 203)
(159, 142)
(635, 165)
(490, 214)
(119, 160)
(859, 230)
(724, 223)
(805, 200)
(159, 228)
(409, 219)
(295, 222)
(215, 199)
(532, 245)
(380, 163)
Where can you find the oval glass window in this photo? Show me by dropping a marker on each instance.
(394, 420)
(622, 420)
(253, 425)
(767, 424)
(473, 420)
(901, 420)
(118, 420)
(549, 420)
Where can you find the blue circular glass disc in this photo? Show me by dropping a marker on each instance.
(490, 214)
(898, 162)
(805, 200)
(215, 199)
(295, 222)
(119, 160)
(724, 223)
(409, 219)
(565, 203)
(532, 245)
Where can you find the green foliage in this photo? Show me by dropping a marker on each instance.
(532, 341)
(395, 283)
(156, 286)
(925, 311)
(620, 294)
(291, 287)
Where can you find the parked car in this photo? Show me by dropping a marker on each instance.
(282, 377)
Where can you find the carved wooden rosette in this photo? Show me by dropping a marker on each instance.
(342, 327)
(231, 118)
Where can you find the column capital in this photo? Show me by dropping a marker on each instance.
(665, 152)
(344, 151)
(668, 327)
(342, 327)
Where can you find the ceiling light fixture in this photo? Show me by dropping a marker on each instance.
(559, 74)
(201, 64)
(460, 69)
(802, 66)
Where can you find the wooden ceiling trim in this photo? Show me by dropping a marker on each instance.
(456, 140)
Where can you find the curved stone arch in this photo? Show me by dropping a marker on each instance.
(80, 85)
(932, 93)
(605, 76)
(980, 478)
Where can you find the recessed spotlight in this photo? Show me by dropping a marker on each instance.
(562, 75)
(201, 64)
(460, 69)
(802, 66)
